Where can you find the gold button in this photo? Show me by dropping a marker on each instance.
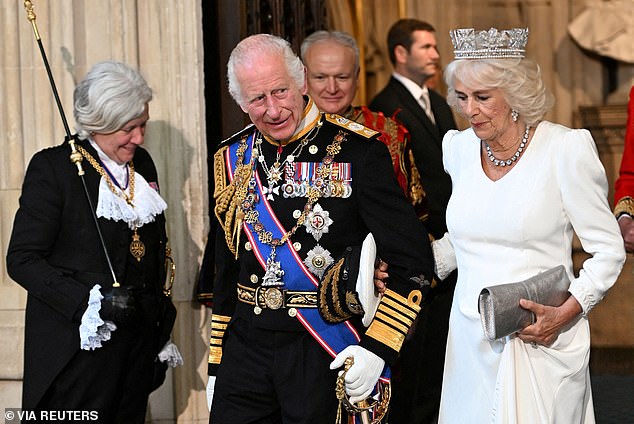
(257, 310)
(253, 278)
(247, 246)
(297, 246)
(297, 213)
(292, 312)
(313, 149)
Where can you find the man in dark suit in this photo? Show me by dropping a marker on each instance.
(425, 113)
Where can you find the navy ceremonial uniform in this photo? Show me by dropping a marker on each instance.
(270, 359)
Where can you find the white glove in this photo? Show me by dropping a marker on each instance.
(444, 257)
(210, 390)
(362, 375)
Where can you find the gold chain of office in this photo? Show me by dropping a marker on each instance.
(121, 193)
(137, 248)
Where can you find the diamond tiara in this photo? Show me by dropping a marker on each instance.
(492, 44)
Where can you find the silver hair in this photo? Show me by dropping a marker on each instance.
(262, 44)
(110, 95)
(342, 38)
(519, 79)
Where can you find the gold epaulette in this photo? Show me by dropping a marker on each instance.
(394, 317)
(624, 205)
(352, 126)
(218, 328)
(237, 136)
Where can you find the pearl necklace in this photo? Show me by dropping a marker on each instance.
(515, 157)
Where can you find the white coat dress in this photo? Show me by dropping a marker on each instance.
(506, 231)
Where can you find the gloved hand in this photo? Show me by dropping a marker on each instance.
(362, 375)
(118, 305)
(210, 390)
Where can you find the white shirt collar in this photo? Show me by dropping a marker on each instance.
(416, 90)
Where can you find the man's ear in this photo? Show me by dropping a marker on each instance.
(305, 86)
(400, 54)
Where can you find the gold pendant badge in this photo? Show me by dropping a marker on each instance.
(137, 248)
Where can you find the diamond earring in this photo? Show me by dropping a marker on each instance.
(514, 115)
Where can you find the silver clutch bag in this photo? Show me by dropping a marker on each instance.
(500, 309)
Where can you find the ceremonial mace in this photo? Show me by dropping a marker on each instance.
(75, 156)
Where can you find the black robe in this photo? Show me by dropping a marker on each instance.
(56, 255)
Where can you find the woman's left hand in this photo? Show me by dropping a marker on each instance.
(380, 276)
(549, 320)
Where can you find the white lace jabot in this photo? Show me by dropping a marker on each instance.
(147, 202)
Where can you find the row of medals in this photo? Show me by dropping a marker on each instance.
(317, 223)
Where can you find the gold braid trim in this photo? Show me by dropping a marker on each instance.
(416, 191)
(218, 328)
(328, 288)
(624, 205)
(391, 128)
(394, 318)
(335, 292)
(229, 197)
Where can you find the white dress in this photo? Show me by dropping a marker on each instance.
(505, 231)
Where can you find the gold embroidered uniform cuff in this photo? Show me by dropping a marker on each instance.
(624, 206)
(394, 317)
(218, 328)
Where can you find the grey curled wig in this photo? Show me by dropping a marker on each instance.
(110, 95)
(519, 79)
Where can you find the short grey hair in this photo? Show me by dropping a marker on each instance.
(110, 95)
(262, 44)
(519, 79)
(340, 37)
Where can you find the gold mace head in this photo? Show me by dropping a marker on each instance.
(30, 15)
